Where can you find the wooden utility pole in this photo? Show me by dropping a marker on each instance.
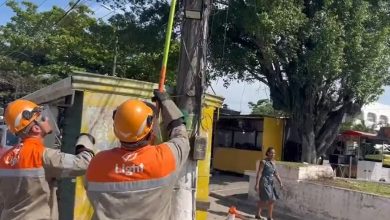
(189, 95)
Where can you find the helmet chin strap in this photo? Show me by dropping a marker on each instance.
(24, 133)
(141, 143)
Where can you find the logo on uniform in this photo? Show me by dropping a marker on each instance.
(129, 156)
(129, 170)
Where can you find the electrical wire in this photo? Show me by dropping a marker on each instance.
(242, 96)
(224, 34)
(39, 25)
(106, 14)
(68, 11)
(4, 3)
(40, 4)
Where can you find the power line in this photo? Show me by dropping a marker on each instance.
(242, 96)
(4, 3)
(68, 11)
(43, 2)
(224, 34)
(38, 26)
(106, 14)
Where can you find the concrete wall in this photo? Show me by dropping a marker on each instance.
(318, 202)
(374, 171)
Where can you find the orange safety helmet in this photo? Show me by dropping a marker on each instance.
(133, 120)
(19, 114)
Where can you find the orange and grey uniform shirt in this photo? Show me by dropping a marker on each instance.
(137, 184)
(27, 174)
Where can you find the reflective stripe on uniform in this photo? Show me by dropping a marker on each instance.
(68, 161)
(32, 172)
(130, 185)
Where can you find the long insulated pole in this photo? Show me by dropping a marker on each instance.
(167, 46)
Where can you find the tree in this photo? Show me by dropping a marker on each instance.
(36, 43)
(142, 27)
(42, 47)
(264, 107)
(37, 48)
(320, 59)
(141, 32)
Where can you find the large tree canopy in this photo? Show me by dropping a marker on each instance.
(321, 59)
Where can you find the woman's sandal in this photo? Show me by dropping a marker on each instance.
(260, 217)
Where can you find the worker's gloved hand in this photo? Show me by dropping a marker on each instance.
(160, 96)
(85, 142)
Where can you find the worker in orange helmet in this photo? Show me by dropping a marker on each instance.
(136, 180)
(29, 169)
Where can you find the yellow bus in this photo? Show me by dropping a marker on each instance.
(240, 140)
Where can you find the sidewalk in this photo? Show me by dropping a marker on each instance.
(232, 190)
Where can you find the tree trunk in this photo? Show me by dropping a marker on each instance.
(315, 142)
(305, 127)
(309, 152)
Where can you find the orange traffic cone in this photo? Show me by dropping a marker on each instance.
(233, 214)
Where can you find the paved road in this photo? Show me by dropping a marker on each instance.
(228, 190)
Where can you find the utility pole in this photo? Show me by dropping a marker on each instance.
(189, 92)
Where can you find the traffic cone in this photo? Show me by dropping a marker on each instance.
(233, 214)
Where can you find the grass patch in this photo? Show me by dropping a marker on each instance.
(292, 164)
(363, 186)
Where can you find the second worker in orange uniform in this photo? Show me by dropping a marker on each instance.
(136, 179)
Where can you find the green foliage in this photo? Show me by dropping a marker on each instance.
(336, 47)
(264, 107)
(47, 46)
(378, 188)
(320, 59)
(42, 43)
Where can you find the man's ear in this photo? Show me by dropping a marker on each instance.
(35, 128)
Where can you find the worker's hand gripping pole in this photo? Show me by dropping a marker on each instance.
(165, 61)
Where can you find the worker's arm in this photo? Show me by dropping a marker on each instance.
(258, 175)
(174, 123)
(60, 164)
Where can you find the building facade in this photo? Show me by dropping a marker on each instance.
(374, 115)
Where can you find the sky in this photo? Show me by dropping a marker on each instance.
(237, 95)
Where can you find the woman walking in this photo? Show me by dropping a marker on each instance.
(265, 183)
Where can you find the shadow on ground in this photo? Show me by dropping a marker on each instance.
(241, 202)
(235, 200)
(224, 178)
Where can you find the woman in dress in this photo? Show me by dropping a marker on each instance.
(265, 183)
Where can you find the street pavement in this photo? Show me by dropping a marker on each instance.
(232, 190)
